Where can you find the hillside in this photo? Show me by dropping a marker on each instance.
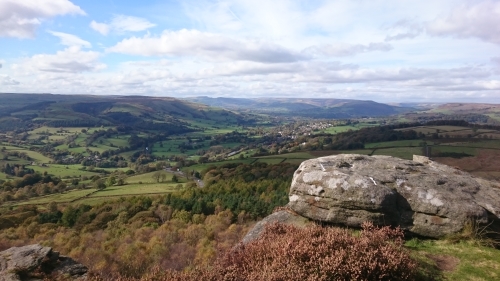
(306, 107)
(152, 113)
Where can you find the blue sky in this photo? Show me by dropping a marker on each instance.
(382, 50)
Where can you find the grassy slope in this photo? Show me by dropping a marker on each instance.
(458, 261)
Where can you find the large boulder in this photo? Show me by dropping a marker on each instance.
(422, 196)
(35, 262)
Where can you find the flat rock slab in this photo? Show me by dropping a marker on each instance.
(422, 196)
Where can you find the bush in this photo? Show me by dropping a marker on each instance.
(316, 253)
(285, 252)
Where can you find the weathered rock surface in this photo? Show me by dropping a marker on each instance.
(35, 262)
(283, 216)
(422, 196)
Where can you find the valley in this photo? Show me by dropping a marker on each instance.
(98, 171)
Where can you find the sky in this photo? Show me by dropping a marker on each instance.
(381, 50)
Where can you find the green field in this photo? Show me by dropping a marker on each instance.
(471, 261)
(401, 152)
(397, 143)
(59, 197)
(340, 129)
(148, 178)
(135, 189)
(15, 160)
(423, 130)
(38, 157)
(449, 128)
(455, 149)
(270, 161)
(63, 170)
(201, 167)
(294, 161)
(357, 151)
(117, 141)
(301, 155)
(479, 144)
(3, 176)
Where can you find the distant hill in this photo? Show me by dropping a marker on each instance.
(151, 113)
(306, 107)
(476, 113)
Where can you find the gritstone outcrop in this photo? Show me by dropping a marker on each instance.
(423, 197)
(35, 262)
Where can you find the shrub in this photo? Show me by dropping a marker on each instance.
(285, 252)
(316, 253)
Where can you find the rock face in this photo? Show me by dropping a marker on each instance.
(421, 196)
(35, 262)
(283, 216)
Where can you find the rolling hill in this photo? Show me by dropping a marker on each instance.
(305, 107)
(152, 113)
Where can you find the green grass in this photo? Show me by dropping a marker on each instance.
(357, 151)
(170, 147)
(3, 176)
(400, 152)
(201, 167)
(294, 161)
(135, 189)
(423, 130)
(457, 149)
(302, 155)
(480, 144)
(38, 157)
(340, 129)
(461, 133)
(15, 160)
(59, 197)
(397, 143)
(474, 262)
(231, 144)
(117, 141)
(148, 178)
(62, 171)
(270, 161)
(445, 128)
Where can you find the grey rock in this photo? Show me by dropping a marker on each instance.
(283, 216)
(421, 196)
(35, 262)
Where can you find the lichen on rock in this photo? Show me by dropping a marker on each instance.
(423, 197)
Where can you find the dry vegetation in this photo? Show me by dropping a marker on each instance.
(485, 164)
(285, 252)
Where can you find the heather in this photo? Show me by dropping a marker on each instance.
(286, 252)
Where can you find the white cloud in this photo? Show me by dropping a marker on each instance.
(100, 27)
(343, 50)
(70, 39)
(21, 18)
(7, 81)
(70, 60)
(404, 29)
(478, 19)
(121, 24)
(286, 48)
(203, 44)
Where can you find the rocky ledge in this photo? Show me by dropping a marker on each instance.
(423, 197)
(35, 262)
